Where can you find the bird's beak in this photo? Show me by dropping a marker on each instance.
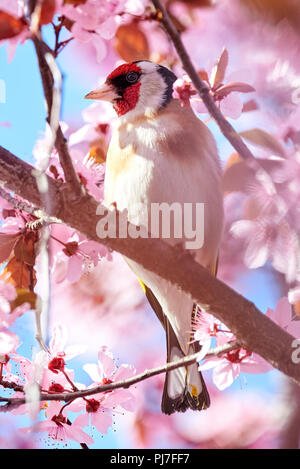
(105, 92)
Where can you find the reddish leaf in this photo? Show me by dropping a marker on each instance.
(265, 140)
(239, 176)
(24, 296)
(67, 23)
(275, 11)
(218, 72)
(296, 308)
(25, 248)
(47, 12)
(7, 243)
(20, 274)
(233, 159)
(198, 3)
(250, 105)
(234, 87)
(131, 43)
(203, 75)
(74, 2)
(10, 26)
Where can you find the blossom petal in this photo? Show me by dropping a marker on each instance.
(106, 362)
(102, 421)
(93, 371)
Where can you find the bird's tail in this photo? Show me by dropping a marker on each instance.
(184, 387)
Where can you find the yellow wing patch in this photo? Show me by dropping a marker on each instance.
(142, 285)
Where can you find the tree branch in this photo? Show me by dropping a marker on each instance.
(48, 70)
(126, 383)
(254, 330)
(17, 204)
(226, 128)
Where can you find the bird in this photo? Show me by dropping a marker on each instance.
(161, 152)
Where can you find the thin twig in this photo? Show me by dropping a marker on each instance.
(49, 73)
(43, 303)
(17, 204)
(126, 383)
(11, 385)
(226, 128)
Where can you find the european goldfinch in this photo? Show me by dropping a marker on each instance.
(160, 152)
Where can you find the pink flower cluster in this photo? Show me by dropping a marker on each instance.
(96, 22)
(9, 341)
(48, 373)
(229, 366)
(226, 96)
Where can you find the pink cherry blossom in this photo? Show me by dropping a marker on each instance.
(183, 90)
(294, 295)
(268, 238)
(229, 367)
(90, 173)
(17, 9)
(282, 316)
(8, 342)
(226, 96)
(58, 344)
(98, 408)
(95, 23)
(107, 372)
(205, 326)
(13, 225)
(59, 428)
(46, 366)
(95, 413)
(5, 205)
(7, 315)
(78, 257)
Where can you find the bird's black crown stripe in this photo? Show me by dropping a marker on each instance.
(169, 78)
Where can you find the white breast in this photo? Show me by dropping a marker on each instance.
(167, 159)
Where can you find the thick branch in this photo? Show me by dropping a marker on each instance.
(255, 331)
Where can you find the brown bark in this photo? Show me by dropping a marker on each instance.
(254, 330)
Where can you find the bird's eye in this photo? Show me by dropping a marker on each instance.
(132, 77)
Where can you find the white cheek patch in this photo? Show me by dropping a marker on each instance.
(151, 92)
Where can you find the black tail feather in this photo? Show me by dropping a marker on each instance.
(185, 398)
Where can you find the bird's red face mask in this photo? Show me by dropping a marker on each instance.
(122, 88)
